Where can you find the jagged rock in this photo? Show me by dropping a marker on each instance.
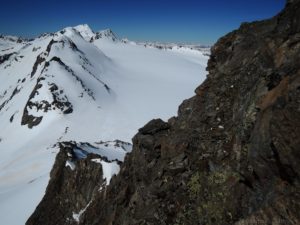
(39, 60)
(5, 57)
(104, 34)
(59, 101)
(74, 182)
(154, 126)
(232, 154)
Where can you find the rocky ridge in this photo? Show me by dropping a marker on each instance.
(231, 156)
(77, 176)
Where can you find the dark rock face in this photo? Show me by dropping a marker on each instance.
(5, 57)
(39, 60)
(232, 154)
(59, 102)
(74, 182)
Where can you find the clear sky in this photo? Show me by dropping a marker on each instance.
(190, 21)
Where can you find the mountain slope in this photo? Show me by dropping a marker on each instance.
(232, 154)
(62, 87)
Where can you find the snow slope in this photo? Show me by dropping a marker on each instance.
(84, 86)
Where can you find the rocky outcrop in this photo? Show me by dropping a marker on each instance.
(80, 172)
(59, 102)
(108, 34)
(5, 57)
(74, 182)
(232, 154)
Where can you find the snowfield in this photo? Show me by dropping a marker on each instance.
(83, 86)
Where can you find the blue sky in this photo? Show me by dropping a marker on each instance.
(191, 21)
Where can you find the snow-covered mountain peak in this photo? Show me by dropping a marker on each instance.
(106, 34)
(8, 38)
(85, 31)
(11, 38)
(83, 28)
(70, 32)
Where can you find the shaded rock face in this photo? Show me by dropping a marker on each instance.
(5, 57)
(74, 182)
(232, 154)
(59, 102)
